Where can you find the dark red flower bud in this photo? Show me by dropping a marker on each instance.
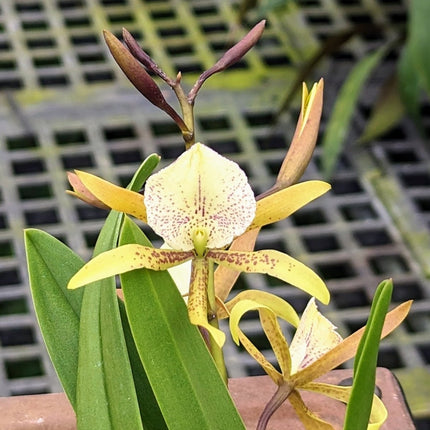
(232, 56)
(140, 78)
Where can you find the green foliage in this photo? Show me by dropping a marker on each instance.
(360, 403)
(82, 329)
(344, 107)
(50, 265)
(106, 398)
(419, 39)
(386, 112)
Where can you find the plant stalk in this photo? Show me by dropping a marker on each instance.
(216, 351)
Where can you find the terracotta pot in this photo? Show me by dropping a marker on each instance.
(53, 411)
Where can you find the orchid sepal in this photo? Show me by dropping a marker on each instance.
(126, 258)
(277, 264)
(285, 202)
(113, 196)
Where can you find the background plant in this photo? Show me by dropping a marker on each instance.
(401, 93)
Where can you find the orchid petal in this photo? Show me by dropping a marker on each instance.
(378, 414)
(304, 139)
(82, 193)
(225, 277)
(310, 420)
(348, 347)
(279, 306)
(124, 259)
(277, 341)
(202, 191)
(113, 196)
(314, 337)
(197, 300)
(237, 334)
(276, 264)
(283, 203)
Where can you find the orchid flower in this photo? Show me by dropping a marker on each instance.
(316, 349)
(198, 205)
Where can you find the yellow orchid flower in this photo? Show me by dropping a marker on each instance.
(198, 205)
(316, 349)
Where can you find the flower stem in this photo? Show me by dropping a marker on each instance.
(274, 403)
(215, 350)
(187, 112)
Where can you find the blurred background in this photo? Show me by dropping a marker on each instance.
(64, 105)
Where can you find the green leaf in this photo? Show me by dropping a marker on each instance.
(387, 111)
(149, 409)
(419, 39)
(106, 395)
(183, 376)
(360, 402)
(409, 85)
(343, 110)
(50, 266)
(142, 174)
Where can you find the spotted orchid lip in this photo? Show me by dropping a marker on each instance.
(200, 191)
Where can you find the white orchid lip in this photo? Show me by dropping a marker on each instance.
(200, 191)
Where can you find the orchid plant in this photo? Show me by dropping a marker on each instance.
(142, 356)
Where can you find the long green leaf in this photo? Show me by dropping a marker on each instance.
(106, 395)
(387, 111)
(360, 402)
(184, 378)
(419, 39)
(143, 172)
(149, 408)
(50, 266)
(343, 110)
(410, 86)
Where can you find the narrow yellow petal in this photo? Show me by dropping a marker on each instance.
(279, 306)
(115, 197)
(310, 420)
(226, 277)
(336, 392)
(314, 337)
(283, 203)
(276, 264)
(277, 341)
(198, 301)
(348, 347)
(124, 259)
(378, 413)
(237, 334)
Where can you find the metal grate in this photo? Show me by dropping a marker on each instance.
(66, 106)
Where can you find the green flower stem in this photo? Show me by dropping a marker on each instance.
(215, 350)
(187, 112)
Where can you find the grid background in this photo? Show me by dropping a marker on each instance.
(65, 105)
